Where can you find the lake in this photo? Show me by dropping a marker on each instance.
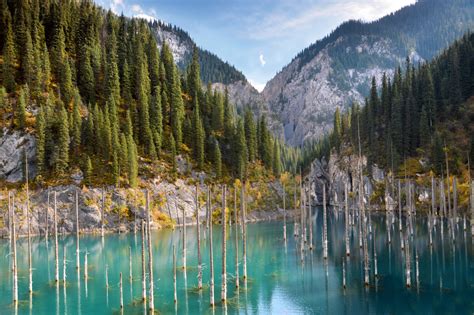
(279, 283)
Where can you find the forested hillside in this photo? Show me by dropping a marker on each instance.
(100, 96)
(337, 70)
(213, 69)
(415, 120)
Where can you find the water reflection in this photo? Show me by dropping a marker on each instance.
(282, 279)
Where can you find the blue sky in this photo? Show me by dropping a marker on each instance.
(258, 37)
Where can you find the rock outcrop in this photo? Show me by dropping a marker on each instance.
(13, 147)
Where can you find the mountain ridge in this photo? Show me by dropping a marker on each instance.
(336, 70)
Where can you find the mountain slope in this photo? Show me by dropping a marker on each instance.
(220, 74)
(337, 70)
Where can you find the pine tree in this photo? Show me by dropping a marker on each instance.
(194, 76)
(63, 142)
(217, 159)
(177, 110)
(112, 80)
(198, 135)
(173, 152)
(425, 132)
(276, 159)
(9, 58)
(88, 171)
(241, 155)
(76, 125)
(132, 163)
(40, 142)
(265, 145)
(250, 135)
(123, 157)
(156, 118)
(21, 109)
(115, 169)
(437, 154)
(217, 112)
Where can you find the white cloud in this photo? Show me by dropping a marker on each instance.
(136, 8)
(116, 6)
(258, 86)
(262, 60)
(284, 20)
(145, 16)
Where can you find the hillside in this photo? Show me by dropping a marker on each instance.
(88, 94)
(338, 69)
(419, 121)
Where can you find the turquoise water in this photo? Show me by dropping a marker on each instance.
(278, 282)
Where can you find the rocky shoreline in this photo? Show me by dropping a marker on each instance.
(122, 208)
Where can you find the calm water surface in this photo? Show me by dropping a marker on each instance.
(278, 282)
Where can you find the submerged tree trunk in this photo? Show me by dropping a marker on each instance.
(56, 258)
(211, 264)
(244, 232)
(78, 263)
(236, 239)
(143, 264)
(198, 230)
(150, 253)
(224, 247)
(14, 264)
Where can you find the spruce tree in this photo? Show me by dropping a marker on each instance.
(217, 159)
(156, 118)
(276, 159)
(198, 135)
(217, 112)
(115, 169)
(132, 163)
(173, 152)
(9, 59)
(62, 161)
(194, 76)
(76, 125)
(112, 80)
(250, 135)
(21, 109)
(88, 171)
(177, 110)
(241, 155)
(40, 142)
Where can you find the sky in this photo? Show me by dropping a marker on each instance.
(258, 37)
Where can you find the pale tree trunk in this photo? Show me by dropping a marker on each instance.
(198, 230)
(224, 247)
(150, 253)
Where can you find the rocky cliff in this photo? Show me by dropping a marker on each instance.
(336, 70)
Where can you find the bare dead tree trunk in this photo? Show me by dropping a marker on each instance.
(56, 258)
(102, 214)
(184, 240)
(198, 230)
(224, 247)
(310, 218)
(121, 292)
(130, 263)
(174, 275)
(236, 239)
(14, 264)
(346, 208)
(78, 261)
(143, 264)
(325, 226)
(284, 212)
(244, 232)
(150, 253)
(28, 218)
(211, 264)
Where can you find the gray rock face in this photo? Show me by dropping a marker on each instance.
(305, 98)
(12, 146)
(242, 94)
